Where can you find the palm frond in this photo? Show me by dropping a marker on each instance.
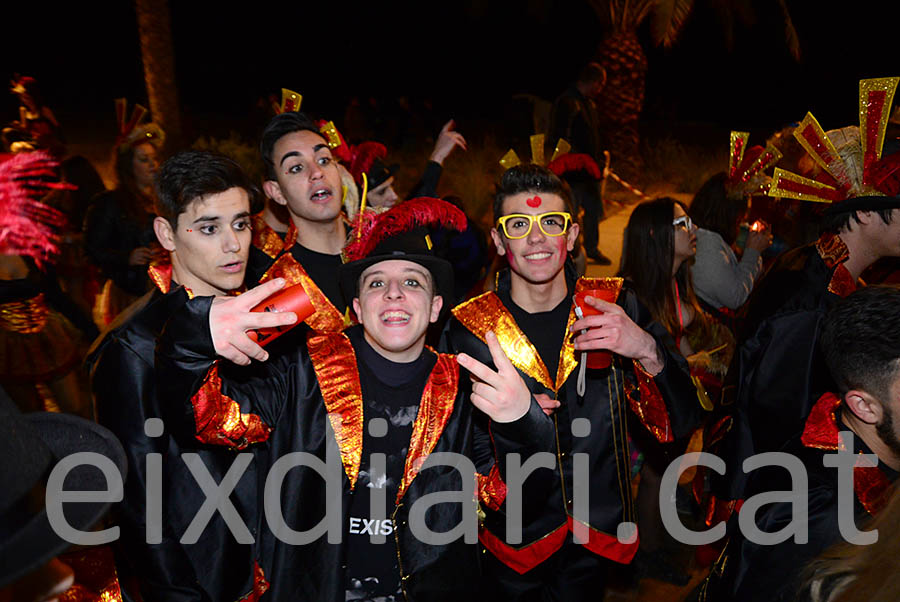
(605, 11)
(641, 9)
(668, 18)
(790, 32)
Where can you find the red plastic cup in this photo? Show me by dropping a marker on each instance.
(596, 359)
(292, 298)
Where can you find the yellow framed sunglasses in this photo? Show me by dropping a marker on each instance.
(518, 225)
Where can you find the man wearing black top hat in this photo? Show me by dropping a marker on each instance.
(203, 220)
(385, 401)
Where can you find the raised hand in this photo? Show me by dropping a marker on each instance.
(613, 330)
(230, 318)
(447, 140)
(500, 393)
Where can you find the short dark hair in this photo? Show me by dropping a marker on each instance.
(192, 175)
(860, 340)
(835, 222)
(282, 125)
(529, 177)
(713, 210)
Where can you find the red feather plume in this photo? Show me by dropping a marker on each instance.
(28, 226)
(373, 228)
(364, 154)
(572, 162)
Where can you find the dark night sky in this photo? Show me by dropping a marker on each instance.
(468, 57)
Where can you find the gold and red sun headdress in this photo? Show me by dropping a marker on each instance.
(854, 175)
(561, 161)
(747, 166)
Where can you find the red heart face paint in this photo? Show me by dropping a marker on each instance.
(534, 201)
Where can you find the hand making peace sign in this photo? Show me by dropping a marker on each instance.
(500, 393)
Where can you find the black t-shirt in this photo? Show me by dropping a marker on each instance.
(391, 395)
(323, 269)
(545, 329)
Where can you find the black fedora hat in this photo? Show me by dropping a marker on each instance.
(380, 172)
(402, 233)
(31, 445)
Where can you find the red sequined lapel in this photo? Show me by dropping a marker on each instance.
(334, 361)
(434, 412)
(834, 253)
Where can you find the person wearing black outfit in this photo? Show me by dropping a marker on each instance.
(381, 193)
(574, 118)
(778, 371)
(302, 175)
(204, 222)
(372, 388)
(533, 313)
(859, 340)
(118, 234)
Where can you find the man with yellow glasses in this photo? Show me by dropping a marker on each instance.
(575, 517)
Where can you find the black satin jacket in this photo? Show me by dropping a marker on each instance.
(124, 385)
(286, 394)
(669, 409)
(778, 371)
(751, 572)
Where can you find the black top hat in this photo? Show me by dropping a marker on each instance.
(401, 233)
(31, 445)
(379, 173)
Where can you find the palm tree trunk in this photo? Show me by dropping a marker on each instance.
(621, 102)
(154, 26)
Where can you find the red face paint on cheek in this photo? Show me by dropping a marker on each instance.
(510, 257)
(534, 201)
(562, 252)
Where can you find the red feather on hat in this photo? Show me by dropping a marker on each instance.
(373, 228)
(364, 154)
(28, 226)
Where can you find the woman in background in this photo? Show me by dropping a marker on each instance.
(119, 236)
(721, 281)
(657, 251)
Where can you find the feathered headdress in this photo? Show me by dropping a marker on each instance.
(855, 175)
(28, 226)
(132, 131)
(747, 166)
(375, 228)
(363, 155)
(401, 233)
(20, 83)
